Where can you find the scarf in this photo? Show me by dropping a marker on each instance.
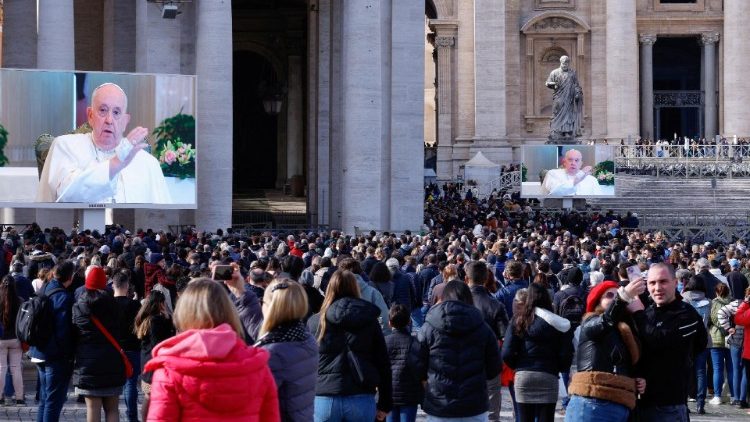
(287, 332)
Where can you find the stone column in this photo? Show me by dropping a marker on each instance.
(55, 42)
(19, 34)
(157, 40)
(445, 42)
(214, 69)
(294, 116)
(736, 47)
(489, 60)
(119, 35)
(710, 115)
(622, 70)
(362, 104)
(406, 140)
(55, 50)
(647, 85)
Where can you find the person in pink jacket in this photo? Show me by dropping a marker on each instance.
(207, 372)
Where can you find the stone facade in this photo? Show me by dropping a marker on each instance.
(610, 45)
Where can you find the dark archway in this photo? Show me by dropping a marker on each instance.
(677, 75)
(255, 131)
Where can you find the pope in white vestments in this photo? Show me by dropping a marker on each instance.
(571, 180)
(103, 166)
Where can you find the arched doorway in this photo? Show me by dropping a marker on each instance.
(255, 130)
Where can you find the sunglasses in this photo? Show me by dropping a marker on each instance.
(609, 295)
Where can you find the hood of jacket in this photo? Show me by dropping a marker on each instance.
(211, 366)
(41, 256)
(352, 313)
(455, 317)
(696, 298)
(557, 322)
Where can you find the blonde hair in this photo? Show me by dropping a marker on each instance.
(205, 304)
(285, 300)
(343, 284)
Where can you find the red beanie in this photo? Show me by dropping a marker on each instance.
(594, 296)
(96, 279)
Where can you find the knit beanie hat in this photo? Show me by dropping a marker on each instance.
(596, 294)
(155, 258)
(96, 279)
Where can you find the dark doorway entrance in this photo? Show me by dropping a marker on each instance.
(255, 131)
(677, 88)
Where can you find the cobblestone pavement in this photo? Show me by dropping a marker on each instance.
(74, 411)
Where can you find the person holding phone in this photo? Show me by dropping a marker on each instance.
(243, 298)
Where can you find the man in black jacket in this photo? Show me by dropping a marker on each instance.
(709, 280)
(672, 334)
(496, 318)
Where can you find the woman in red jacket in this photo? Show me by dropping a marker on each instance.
(207, 372)
(743, 318)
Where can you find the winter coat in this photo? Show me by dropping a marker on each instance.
(671, 336)
(602, 346)
(294, 367)
(408, 370)
(351, 325)
(491, 309)
(709, 282)
(403, 290)
(717, 337)
(373, 296)
(59, 348)
(726, 321)
(160, 330)
(426, 275)
(737, 284)
(743, 318)
(211, 375)
(127, 309)
(547, 346)
(460, 353)
(251, 315)
(97, 363)
(506, 294)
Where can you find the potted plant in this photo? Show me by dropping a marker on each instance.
(3, 142)
(175, 146)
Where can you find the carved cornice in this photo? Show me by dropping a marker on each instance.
(709, 38)
(647, 39)
(445, 41)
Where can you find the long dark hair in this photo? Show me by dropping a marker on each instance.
(457, 290)
(537, 297)
(151, 307)
(10, 302)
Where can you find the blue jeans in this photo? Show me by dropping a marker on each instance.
(482, 417)
(721, 359)
(584, 409)
(678, 413)
(402, 414)
(700, 378)
(54, 378)
(739, 387)
(8, 391)
(355, 408)
(130, 392)
(566, 381)
(416, 318)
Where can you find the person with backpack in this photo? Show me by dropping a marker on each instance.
(99, 371)
(51, 340)
(694, 294)
(404, 351)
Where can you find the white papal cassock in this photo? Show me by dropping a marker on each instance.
(77, 171)
(558, 182)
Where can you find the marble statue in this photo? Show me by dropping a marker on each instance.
(567, 104)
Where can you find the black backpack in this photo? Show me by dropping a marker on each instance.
(35, 323)
(572, 308)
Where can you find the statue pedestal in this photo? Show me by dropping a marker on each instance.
(562, 140)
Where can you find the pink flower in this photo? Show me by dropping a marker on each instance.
(170, 157)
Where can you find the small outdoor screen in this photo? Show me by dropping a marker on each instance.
(57, 151)
(567, 171)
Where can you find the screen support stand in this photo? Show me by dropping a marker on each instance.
(567, 203)
(94, 219)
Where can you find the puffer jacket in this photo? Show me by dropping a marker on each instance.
(211, 375)
(294, 367)
(716, 333)
(725, 318)
(97, 363)
(372, 295)
(546, 347)
(408, 370)
(352, 324)
(460, 353)
(743, 318)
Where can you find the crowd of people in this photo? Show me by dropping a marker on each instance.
(329, 326)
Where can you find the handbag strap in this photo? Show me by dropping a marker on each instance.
(111, 339)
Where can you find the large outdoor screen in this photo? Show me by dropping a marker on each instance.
(568, 171)
(94, 139)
